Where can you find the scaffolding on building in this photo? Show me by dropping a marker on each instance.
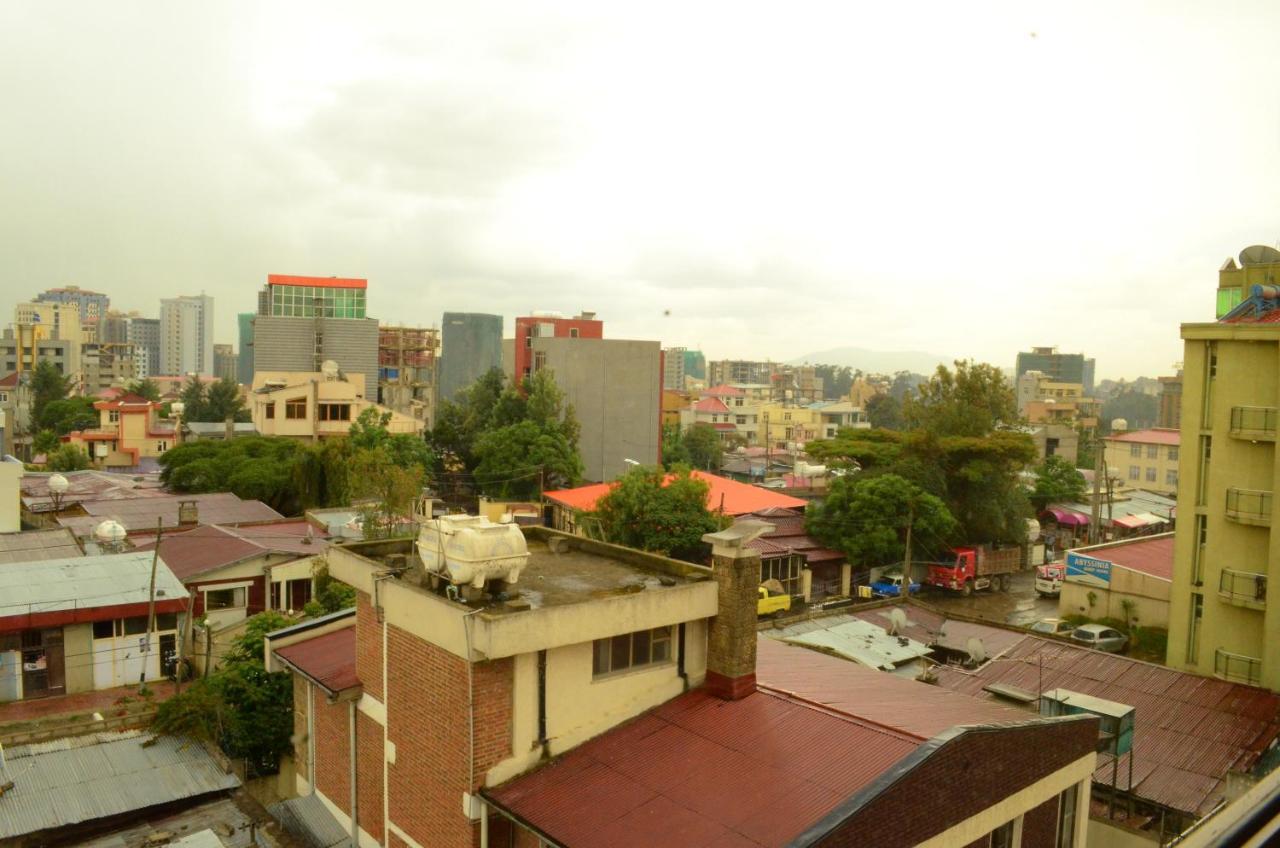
(407, 360)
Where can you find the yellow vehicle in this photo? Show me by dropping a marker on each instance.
(771, 601)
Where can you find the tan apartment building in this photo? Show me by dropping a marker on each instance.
(1221, 622)
(1144, 459)
(312, 406)
(129, 432)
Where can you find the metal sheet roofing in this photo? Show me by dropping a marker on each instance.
(34, 545)
(329, 659)
(699, 770)
(1151, 555)
(1153, 436)
(864, 643)
(735, 498)
(84, 778)
(143, 513)
(209, 547)
(79, 583)
(1189, 730)
(307, 818)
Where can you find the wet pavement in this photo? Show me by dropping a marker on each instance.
(1020, 606)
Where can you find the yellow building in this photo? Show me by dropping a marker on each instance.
(786, 428)
(672, 402)
(1220, 620)
(315, 405)
(1144, 459)
(35, 322)
(129, 429)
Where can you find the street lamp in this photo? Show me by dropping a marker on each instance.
(58, 486)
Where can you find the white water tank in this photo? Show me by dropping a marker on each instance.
(1119, 425)
(805, 470)
(472, 549)
(1033, 529)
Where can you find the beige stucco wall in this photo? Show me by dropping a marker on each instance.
(77, 648)
(1120, 460)
(1103, 834)
(10, 510)
(1150, 596)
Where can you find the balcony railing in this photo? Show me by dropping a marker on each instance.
(1237, 667)
(1254, 422)
(1249, 506)
(1243, 588)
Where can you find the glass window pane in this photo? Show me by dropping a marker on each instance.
(620, 654)
(600, 657)
(103, 629)
(134, 626)
(662, 644)
(640, 647)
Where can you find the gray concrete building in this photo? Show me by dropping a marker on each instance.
(186, 335)
(303, 344)
(615, 386)
(16, 355)
(244, 365)
(471, 344)
(144, 335)
(225, 363)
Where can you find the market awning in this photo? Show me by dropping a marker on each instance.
(1068, 517)
(1131, 522)
(1152, 519)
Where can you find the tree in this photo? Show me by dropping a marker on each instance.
(885, 411)
(193, 399)
(68, 458)
(46, 441)
(393, 488)
(837, 380)
(665, 513)
(704, 447)
(674, 451)
(460, 422)
(47, 385)
(1057, 480)
(215, 402)
(971, 401)
(867, 518)
(513, 460)
(63, 416)
(330, 595)
(1137, 409)
(251, 467)
(146, 387)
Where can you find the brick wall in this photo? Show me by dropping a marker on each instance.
(427, 722)
(965, 776)
(333, 766)
(369, 774)
(731, 639)
(368, 646)
(1040, 826)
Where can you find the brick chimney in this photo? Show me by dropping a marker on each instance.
(731, 642)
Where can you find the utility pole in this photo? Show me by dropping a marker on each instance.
(906, 564)
(1099, 469)
(151, 609)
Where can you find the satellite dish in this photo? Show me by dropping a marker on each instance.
(977, 652)
(897, 621)
(1259, 254)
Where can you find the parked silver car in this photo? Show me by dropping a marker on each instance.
(1100, 637)
(1052, 626)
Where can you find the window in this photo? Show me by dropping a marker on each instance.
(113, 416)
(162, 446)
(1151, 474)
(104, 629)
(271, 410)
(1135, 451)
(1135, 472)
(630, 650)
(1002, 836)
(1171, 478)
(1193, 631)
(134, 626)
(334, 412)
(216, 599)
(573, 332)
(1202, 538)
(295, 408)
(1153, 451)
(539, 360)
(1067, 818)
(1173, 454)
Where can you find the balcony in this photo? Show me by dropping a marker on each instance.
(1237, 667)
(1243, 588)
(1249, 506)
(1255, 423)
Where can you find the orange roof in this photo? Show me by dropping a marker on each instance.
(1154, 436)
(710, 405)
(734, 497)
(317, 282)
(723, 390)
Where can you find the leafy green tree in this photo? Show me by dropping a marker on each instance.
(214, 402)
(146, 387)
(885, 412)
(837, 380)
(674, 451)
(661, 512)
(45, 441)
(867, 518)
(1057, 480)
(68, 458)
(702, 443)
(251, 467)
(1137, 409)
(460, 422)
(970, 401)
(393, 488)
(63, 416)
(514, 459)
(47, 385)
(193, 399)
(330, 595)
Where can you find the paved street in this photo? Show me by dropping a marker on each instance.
(1019, 606)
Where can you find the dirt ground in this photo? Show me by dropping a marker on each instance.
(1020, 606)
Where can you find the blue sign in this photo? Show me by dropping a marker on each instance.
(1086, 569)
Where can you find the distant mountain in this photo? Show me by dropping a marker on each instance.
(877, 361)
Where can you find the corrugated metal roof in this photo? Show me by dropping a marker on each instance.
(307, 818)
(84, 778)
(1153, 436)
(702, 771)
(1152, 555)
(209, 547)
(143, 513)
(862, 642)
(83, 583)
(1189, 730)
(736, 498)
(330, 659)
(35, 545)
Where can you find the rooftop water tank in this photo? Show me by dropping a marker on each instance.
(472, 549)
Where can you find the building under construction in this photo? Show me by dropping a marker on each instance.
(407, 358)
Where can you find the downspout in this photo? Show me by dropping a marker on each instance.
(471, 708)
(542, 701)
(355, 826)
(680, 669)
(311, 738)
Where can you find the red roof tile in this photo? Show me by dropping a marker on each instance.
(710, 404)
(1153, 436)
(329, 660)
(735, 498)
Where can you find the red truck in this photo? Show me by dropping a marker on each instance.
(977, 567)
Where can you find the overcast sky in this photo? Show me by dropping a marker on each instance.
(966, 178)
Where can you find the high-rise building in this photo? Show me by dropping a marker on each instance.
(730, 371)
(37, 323)
(549, 325)
(302, 322)
(186, 335)
(1170, 412)
(407, 371)
(225, 364)
(1058, 367)
(244, 366)
(144, 335)
(695, 364)
(471, 345)
(1221, 620)
(91, 305)
(673, 372)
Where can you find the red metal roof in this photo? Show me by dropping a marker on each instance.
(734, 497)
(329, 660)
(1152, 555)
(142, 514)
(723, 390)
(702, 771)
(710, 404)
(317, 282)
(9, 381)
(1188, 730)
(1153, 436)
(209, 547)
